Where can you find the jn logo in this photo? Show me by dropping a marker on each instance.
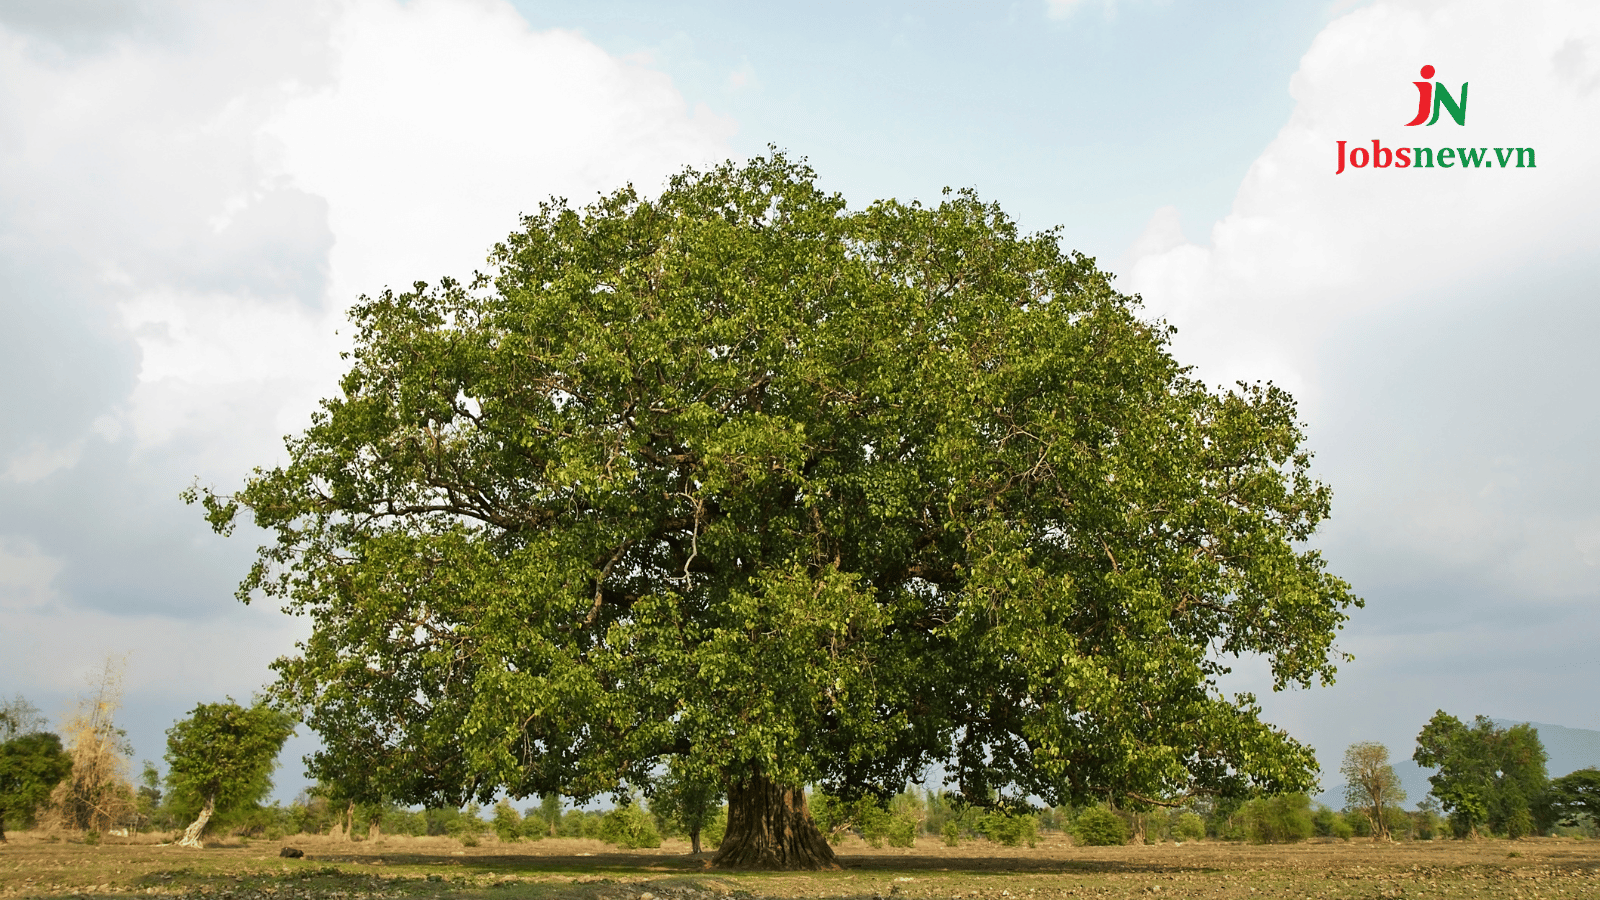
(1435, 95)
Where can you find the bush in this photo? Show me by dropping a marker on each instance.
(872, 821)
(952, 833)
(1399, 823)
(630, 828)
(1328, 823)
(1189, 827)
(902, 831)
(1426, 823)
(575, 823)
(940, 809)
(1283, 819)
(1099, 827)
(1010, 830)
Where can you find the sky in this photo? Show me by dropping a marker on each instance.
(191, 194)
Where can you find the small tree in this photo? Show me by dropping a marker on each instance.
(686, 800)
(31, 765)
(550, 812)
(147, 796)
(97, 794)
(222, 757)
(1371, 785)
(508, 825)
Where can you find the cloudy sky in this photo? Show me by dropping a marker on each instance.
(191, 194)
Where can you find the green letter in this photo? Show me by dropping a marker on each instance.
(1441, 97)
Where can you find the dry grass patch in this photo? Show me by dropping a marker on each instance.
(398, 868)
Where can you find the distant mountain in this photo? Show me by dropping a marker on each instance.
(1570, 749)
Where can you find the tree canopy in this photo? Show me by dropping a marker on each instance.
(31, 765)
(221, 758)
(792, 494)
(1488, 775)
(1575, 795)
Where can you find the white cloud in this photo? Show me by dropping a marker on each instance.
(1305, 250)
(445, 120)
(39, 460)
(1436, 325)
(27, 577)
(193, 200)
(1062, 9)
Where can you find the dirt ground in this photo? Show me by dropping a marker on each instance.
(400, 868)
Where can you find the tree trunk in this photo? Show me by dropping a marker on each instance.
(191, 835)
(770, 827)
(374, 829)
(350, 821)
(694, 840)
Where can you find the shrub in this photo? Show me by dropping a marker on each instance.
(630, 828)
(465, 823)
(575, 823)
(1099, 827)
(872, 821)
(952, 833)
(1328, 823)
(902, 831)
(1399, 823)
(1010, 830)
(1189, 827)
(1283, 819)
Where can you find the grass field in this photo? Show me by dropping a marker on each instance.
(398, 868)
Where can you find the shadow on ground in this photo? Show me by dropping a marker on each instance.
(624, 863)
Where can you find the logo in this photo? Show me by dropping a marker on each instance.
(1433, 100)
(1440, 99)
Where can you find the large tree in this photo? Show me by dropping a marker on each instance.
(220, 759)
(1488, 775)
(1371, 784)
(797, 495)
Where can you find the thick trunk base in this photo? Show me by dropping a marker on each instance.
(191, 835)
(770, 827)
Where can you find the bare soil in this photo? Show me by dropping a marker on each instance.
(400, 868)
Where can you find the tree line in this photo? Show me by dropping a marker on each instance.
(1490, 781)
